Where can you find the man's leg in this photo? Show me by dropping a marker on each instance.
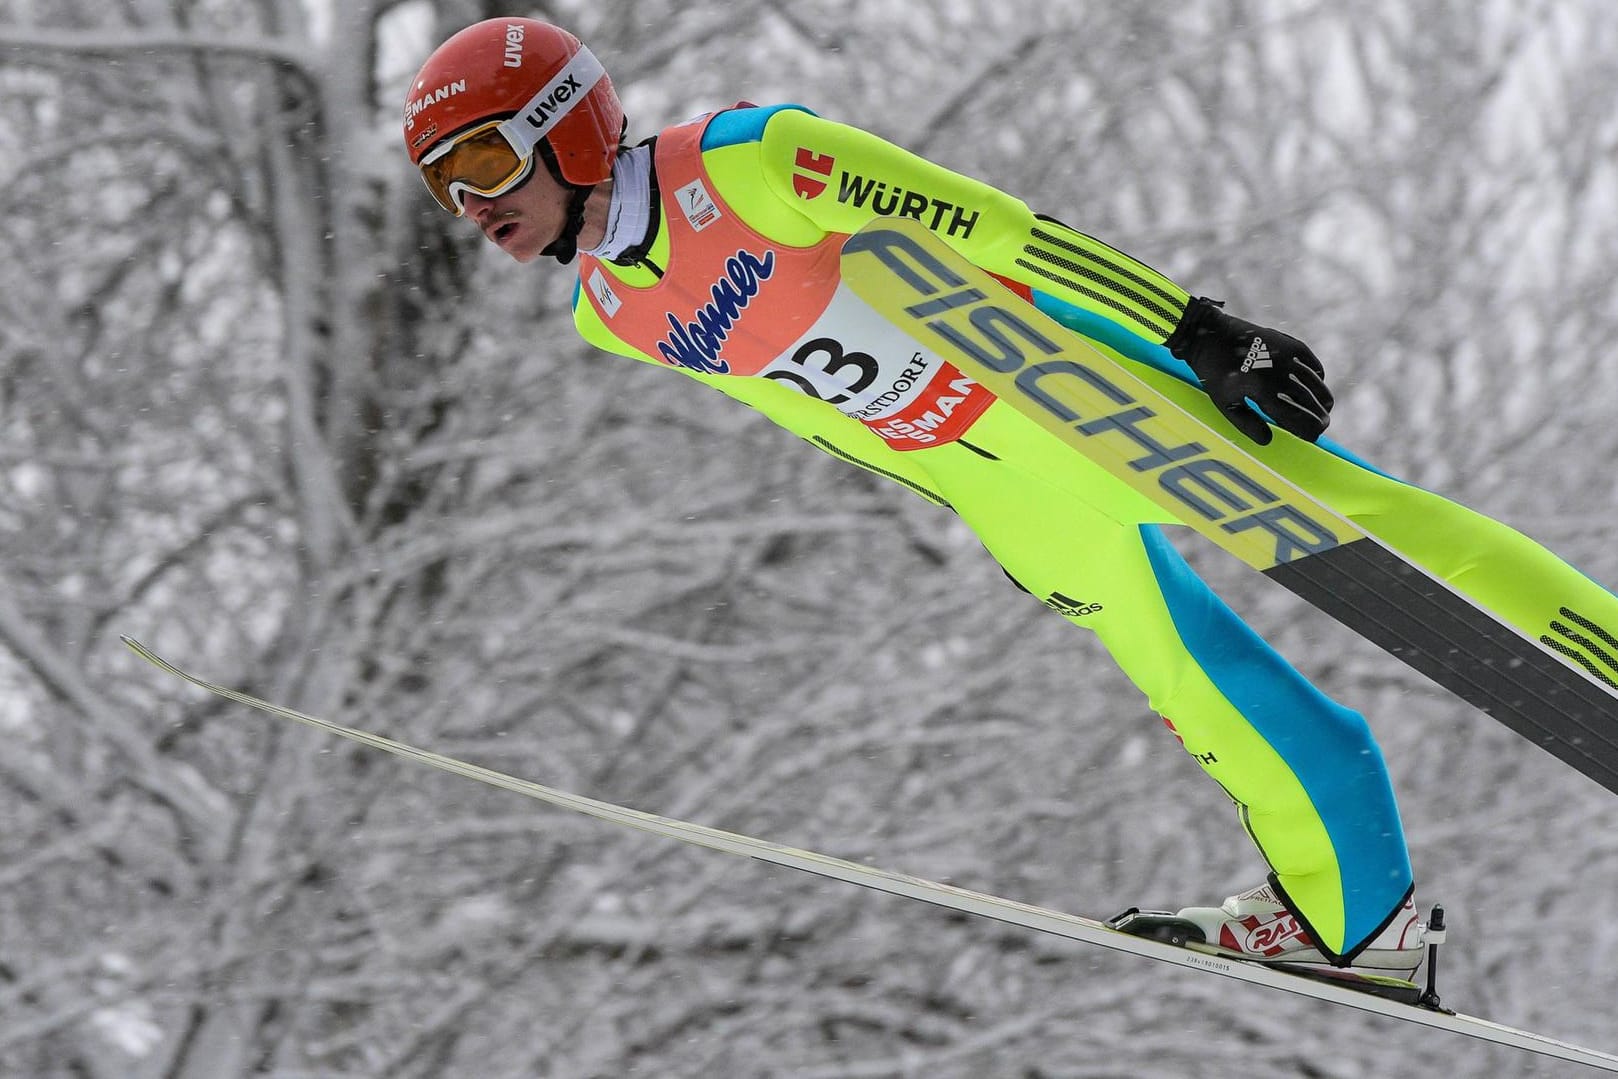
(1311, 786)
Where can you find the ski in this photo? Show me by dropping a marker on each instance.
(1558, 691)
(1331, 987)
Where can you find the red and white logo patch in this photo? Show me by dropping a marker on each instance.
(813, 170)
(1263, 935)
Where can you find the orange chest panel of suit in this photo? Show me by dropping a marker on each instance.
(734, 302)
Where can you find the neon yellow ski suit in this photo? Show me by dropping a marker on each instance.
(1309, 781)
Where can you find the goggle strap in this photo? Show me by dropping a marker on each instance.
(558, 97)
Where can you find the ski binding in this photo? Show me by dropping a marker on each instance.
(1169, 928)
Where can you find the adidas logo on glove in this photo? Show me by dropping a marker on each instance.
(1257, 356)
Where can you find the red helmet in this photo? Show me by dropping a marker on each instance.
(535, 74)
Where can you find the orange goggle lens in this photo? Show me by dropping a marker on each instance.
(480, 161)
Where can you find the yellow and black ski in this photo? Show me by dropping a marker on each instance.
(1101, 409)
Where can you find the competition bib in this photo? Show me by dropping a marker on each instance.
(866, 367)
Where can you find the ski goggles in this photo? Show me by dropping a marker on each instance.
(491, 158)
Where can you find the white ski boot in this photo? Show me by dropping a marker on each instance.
(1255, 925)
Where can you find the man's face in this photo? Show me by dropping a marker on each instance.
(524, 221)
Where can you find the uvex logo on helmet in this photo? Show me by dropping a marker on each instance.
(542, 113)
(514, 35)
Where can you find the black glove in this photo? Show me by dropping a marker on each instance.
(1238, 361)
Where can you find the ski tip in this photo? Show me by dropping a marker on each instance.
(150, 656)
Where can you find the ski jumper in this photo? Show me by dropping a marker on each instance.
(740, 290)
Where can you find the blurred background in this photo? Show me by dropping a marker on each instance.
(267, 409)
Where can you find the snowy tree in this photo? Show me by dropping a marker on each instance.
(266, 408)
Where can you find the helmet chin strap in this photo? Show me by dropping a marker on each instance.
(565, 246)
